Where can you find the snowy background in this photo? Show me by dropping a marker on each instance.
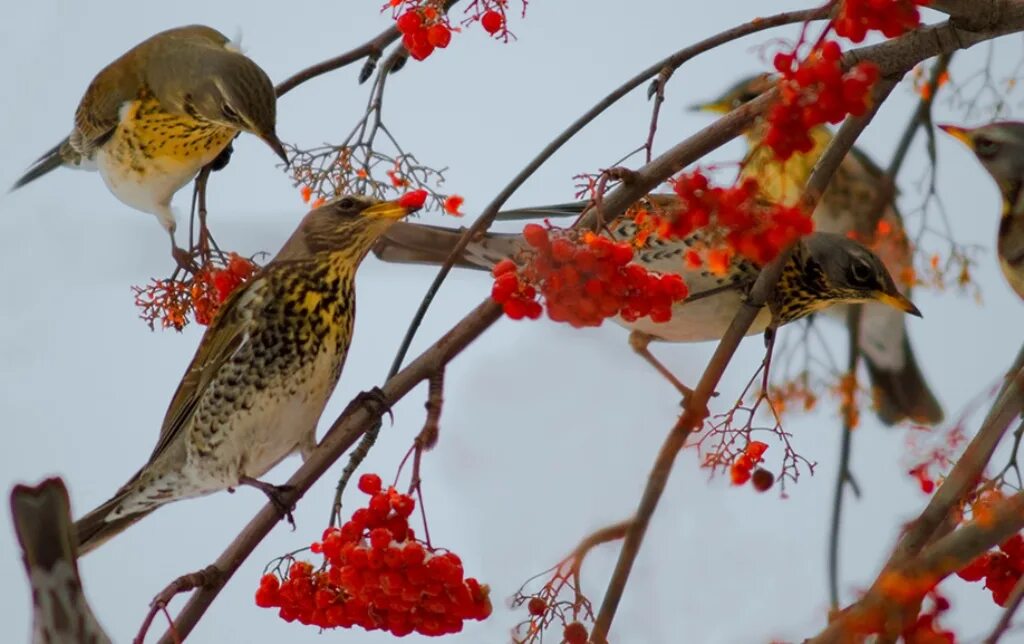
(547, 433)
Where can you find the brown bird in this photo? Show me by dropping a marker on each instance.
(823, 270)
(150, 120)
(42, 523)
(857, 197)
(263, 372)
(1000, 149)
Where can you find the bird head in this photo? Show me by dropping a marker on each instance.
(852, 273)
(349, 224)
(742, 92)
(999, 146)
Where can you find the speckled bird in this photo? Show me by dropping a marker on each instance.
(1000, 149)
(824, 269)
(150, 120)
(853, 202)
(263, 372)
(42, 523)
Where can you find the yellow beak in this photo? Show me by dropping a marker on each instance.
(388, 210)
(961, 134)
(720, 106)
(899, 302)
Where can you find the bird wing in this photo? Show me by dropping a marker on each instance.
(226, 336)
(99, 111)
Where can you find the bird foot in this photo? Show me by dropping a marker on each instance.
(375, 400)
(276, 494)
(184, 259)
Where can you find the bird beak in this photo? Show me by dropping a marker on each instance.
(719, 106)
(899, 302)
(394, 210)
(276, 145)
(961, 134)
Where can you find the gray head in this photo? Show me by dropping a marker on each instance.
(999, 146)
(852, 273)
(198, 70)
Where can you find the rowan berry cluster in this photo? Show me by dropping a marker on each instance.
(1001, 569)
(733, 219)
(377, 575)
(583, 280)
(171, 301)
(891, 17)
(212, 286)
(744, 468)
(812, 92)
(425, 27)
(926, 628)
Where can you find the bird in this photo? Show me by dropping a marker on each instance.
(150, 120)
(823, 269)
(999, 147)
(859, 202)
(42, 523)
(263, 371)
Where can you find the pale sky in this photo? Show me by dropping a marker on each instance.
(547, 433)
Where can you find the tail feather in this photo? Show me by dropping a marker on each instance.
(571, 209)
(903, 393)
(409, 243)
(95, 528)
(42, 523)
(50, 161)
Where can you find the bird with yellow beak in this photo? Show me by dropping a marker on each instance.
(1000, 149)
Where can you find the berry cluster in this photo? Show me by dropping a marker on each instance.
(812, 92)
(1001, 569)
(425, 27)
(926, 628)
(891, 17)
(378, 576)
(423, 30)
(733, 219)
(583, 280)
(171, 301)
(743, 468)
(211, 286)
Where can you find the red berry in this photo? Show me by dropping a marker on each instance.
(537, 606)
(762, 480)
(575, 633)
(369, 484)
(492, 21)
(439, 36)
(409, 22)
(413, 200)
(536, 235)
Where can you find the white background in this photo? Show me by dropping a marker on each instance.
(547, 433)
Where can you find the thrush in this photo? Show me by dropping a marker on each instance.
(824, 269)
(150, 120)
(1000, 148)
(263, 371)
(42, 523)
(857, 201)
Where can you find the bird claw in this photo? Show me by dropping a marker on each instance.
(275, 494)
(375, 400)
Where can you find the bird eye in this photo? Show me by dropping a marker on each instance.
(985, 147)
(230, 114)
(347, 203)
(861, 273)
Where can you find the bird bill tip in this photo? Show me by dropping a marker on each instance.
(899, 302)
(389, 210)
(959, 133)
(276, 145)
(714, 107)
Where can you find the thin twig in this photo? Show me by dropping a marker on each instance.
(843, 476)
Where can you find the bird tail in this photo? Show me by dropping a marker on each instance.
(53, 159)
(571, 209)
(42, 522)
(95, 528)
(409, 243)
(903, 393)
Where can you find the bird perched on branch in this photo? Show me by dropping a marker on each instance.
(859, 201)
(823, 269)
(42, 523)
(150, 120)
(1000, 149)
(263, 372)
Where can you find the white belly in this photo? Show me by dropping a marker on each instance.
(700, 320)
(149, 187)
